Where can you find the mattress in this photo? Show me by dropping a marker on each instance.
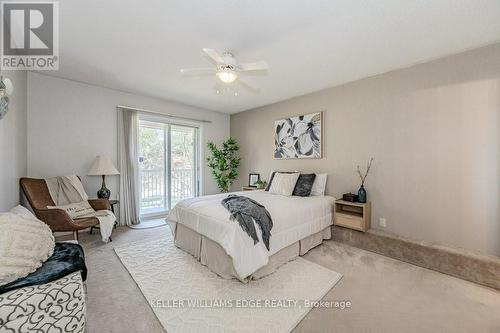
(294, 218)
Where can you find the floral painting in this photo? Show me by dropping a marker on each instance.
(298, 137)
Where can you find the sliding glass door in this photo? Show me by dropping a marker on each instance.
(168, 165)
(182, 163)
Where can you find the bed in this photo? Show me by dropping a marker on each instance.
(201, 227)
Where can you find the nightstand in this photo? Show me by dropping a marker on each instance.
(112, 204)
(353, 215)
(248, 188)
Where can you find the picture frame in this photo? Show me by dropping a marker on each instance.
(299, 137)
(253, 178)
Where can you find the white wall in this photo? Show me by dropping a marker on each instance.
(69, 123)
(434, 131)
(13, 142)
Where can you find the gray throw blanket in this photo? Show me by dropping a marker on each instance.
(245, 211)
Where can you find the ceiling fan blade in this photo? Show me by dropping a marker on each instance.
(213, 55)
(254, 66)
(197, 71)
(249, 86)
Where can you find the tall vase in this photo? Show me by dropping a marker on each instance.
(103, 192)
(362, 194)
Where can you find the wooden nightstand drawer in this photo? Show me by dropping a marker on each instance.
(354, 215)
(349, 221)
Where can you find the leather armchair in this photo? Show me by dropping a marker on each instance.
(37, 193)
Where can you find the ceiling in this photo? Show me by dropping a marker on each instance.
(139, 46)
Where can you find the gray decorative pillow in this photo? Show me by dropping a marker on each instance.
(304, 185)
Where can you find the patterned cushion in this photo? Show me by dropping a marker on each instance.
(284, 183)
(25, 243)
(304, 185)
(76, 210)
(272, 177)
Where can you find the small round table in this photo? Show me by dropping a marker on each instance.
(112, 204)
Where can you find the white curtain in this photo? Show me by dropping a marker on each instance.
(128, 147)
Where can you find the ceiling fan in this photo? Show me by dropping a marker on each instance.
(228, 70)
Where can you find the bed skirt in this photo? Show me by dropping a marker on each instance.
(212, 255)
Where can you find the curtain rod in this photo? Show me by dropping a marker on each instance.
(161, 113)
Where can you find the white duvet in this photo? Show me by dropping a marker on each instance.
(294, 218)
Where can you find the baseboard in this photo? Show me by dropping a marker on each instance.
(484, 270)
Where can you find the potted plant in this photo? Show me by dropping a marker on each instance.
(224, 163)
(261, 184)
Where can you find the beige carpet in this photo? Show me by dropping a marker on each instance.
(187, 297)
(149, 224)
(387, 295)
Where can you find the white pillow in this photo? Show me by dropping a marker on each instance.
(284, 183)
(25, 243)
(269, 181)
(23, 212)
(76, 210)
(319, 184)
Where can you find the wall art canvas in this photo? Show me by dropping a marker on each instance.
(298, 137)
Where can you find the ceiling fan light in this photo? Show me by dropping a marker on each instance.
(227, 76)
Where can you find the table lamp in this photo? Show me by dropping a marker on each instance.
(103, 166)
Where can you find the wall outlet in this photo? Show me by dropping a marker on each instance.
(382, 222)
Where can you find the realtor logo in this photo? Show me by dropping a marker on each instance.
(30, 35)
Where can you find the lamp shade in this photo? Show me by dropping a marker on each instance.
(102, 165)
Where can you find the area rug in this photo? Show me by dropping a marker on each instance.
(187, 297)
